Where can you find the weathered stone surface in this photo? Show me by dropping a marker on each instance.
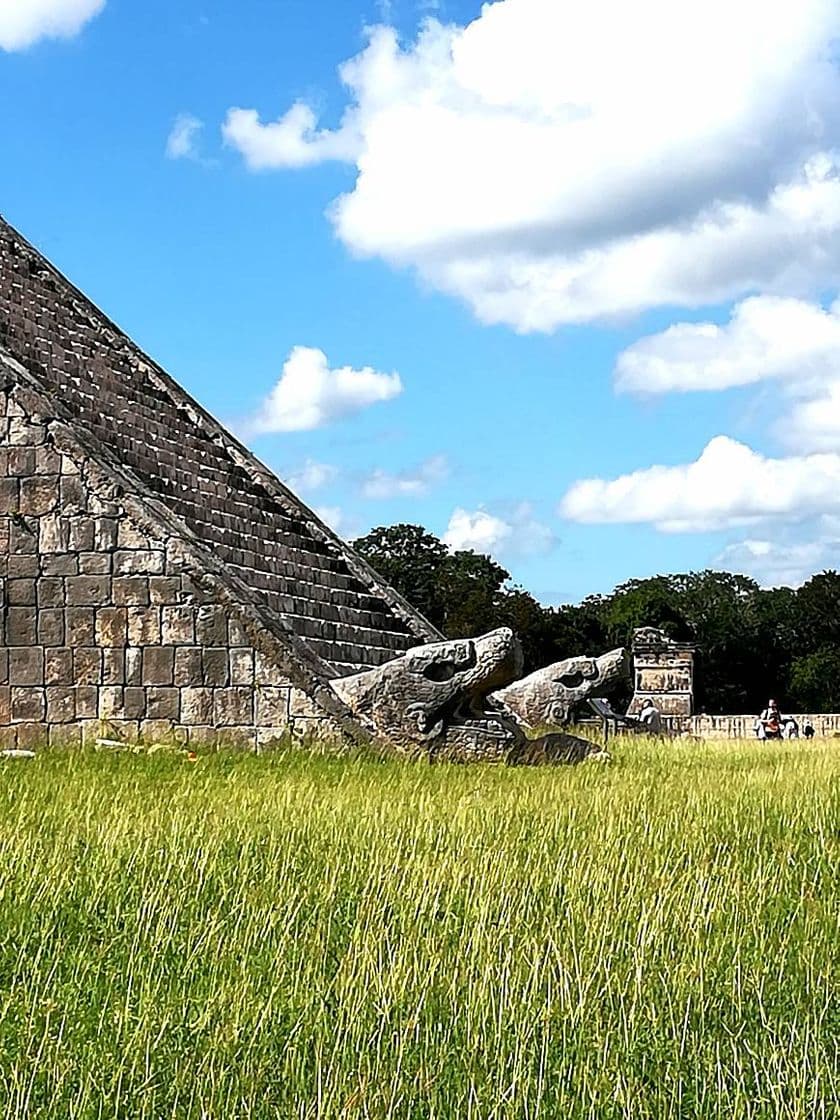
(20, 592)
(130, 536)
(129, 591)
(233, 707)
(143, 626)
(272, 706)
(50, 592)
(265, 672)
(164, 590)
(80, 626)
(72, 496)
(61, 704)
(153, 568)
(431, 700)
(663, 673)
(112, 670)
(64, 564)
(141, 562)
(188, 668)
(197, 706)
(30, 736)
(87, 666)
(104, 531)
(242, 666)
(177, 625)
(88, 591)
(211, 626)
(65, 735)
(38, 494)
(133, 666)
(134, 702)
(26, 666)
(58, 666)
(301, 705)
(546, 698)
(28, 704)
(216, 667)
(53, 534)
(81, 535)
(51, 627)
(95, 564)
(26, 567)
(21, 626)
(111, 626)
(438, 700)
(158, 665)
(87, 699)
(162, 703)
(110, 702)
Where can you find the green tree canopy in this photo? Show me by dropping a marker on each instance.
(751, 642)
(409, 559)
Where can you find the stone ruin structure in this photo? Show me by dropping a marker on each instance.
(663, 670)
(154, 575)
(157, 581)
(448, 700)
(547, 697)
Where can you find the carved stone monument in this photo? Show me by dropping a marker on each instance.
(157, 581)
(440, 701)
(546, 697)
(663, 671)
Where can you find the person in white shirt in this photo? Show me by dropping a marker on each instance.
(650, 718)
(771, 724)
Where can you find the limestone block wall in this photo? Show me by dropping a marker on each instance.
(103, 630)
(826, 725)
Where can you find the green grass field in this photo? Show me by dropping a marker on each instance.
(300, 936)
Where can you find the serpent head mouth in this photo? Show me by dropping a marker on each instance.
(419, 696)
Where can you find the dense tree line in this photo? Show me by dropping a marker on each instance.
(751, 642)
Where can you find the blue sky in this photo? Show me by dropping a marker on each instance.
(493, 281)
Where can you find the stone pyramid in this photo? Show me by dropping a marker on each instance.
(155, 577)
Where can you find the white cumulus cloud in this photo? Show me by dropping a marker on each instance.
(24, 22)
(786, 560)
(815, 422)
(787, 341)
(310, 394)
(477, 530)
(556, 162)
(517, 532)
(765, 338)
(406, 484)
(292, 141)
(335, 518)
(182, 142)
(728, 485)
(310, 476)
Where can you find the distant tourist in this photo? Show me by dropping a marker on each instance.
(808, 731)
(771, 724)
(650, 717)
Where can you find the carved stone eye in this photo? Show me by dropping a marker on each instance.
(439, 671)
(557, 714)
(586, 671)
(571, 680)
